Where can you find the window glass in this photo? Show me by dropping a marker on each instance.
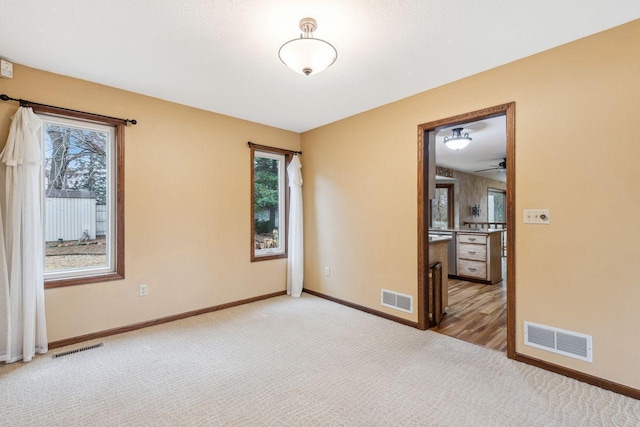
(78, 189)
(496, 205)
(269, 204)
(442, 207)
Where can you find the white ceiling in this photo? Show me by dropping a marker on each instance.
(488, 147)
(222, 55)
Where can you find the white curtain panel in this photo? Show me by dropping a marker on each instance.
(4, 293)
(22, 203)
(295, 266)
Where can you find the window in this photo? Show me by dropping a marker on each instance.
(442, 207)
(83, 199)
(268, 204)
(496, 205)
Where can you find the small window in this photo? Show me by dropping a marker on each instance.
(496, 201)
(269, 202)
(442, 207)
(82, 192)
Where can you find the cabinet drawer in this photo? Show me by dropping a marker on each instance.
(472, 269)
(473, 252)
(472, 238)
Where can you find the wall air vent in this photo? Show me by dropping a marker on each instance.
(572, 344)
(397, 300)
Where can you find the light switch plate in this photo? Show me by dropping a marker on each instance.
(6, 69)
(536, 216)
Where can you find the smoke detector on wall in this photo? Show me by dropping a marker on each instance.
(6, 69)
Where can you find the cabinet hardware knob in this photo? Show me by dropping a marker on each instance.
(473, 239)
(472, 269)
(472, 252)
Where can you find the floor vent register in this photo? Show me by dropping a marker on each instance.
(77, 350)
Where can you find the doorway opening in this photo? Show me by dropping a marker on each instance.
(480, 225)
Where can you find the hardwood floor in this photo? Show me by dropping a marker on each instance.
(477, 313)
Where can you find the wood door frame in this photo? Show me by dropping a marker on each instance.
(508, 110)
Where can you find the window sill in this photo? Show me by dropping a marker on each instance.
(72, 281)
(255, 258)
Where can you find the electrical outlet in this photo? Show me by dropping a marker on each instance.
(327, 271)
(536, 216)
(144, 291)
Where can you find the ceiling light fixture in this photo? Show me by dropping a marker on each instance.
(307, 55)
(457, 140)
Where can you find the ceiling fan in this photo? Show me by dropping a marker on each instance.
(501, 167)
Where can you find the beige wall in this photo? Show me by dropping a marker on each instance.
(576, 154)
(187, 207)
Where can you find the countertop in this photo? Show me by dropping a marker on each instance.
(436, 239)
(467, 230)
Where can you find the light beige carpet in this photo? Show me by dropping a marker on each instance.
(296, 362)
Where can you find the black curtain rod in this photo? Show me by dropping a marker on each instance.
(25, 103)
(251, 144)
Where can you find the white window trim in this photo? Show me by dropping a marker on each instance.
(111, 196)
(281, 205)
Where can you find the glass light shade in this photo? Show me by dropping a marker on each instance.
(457, 143)
(307, 55)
